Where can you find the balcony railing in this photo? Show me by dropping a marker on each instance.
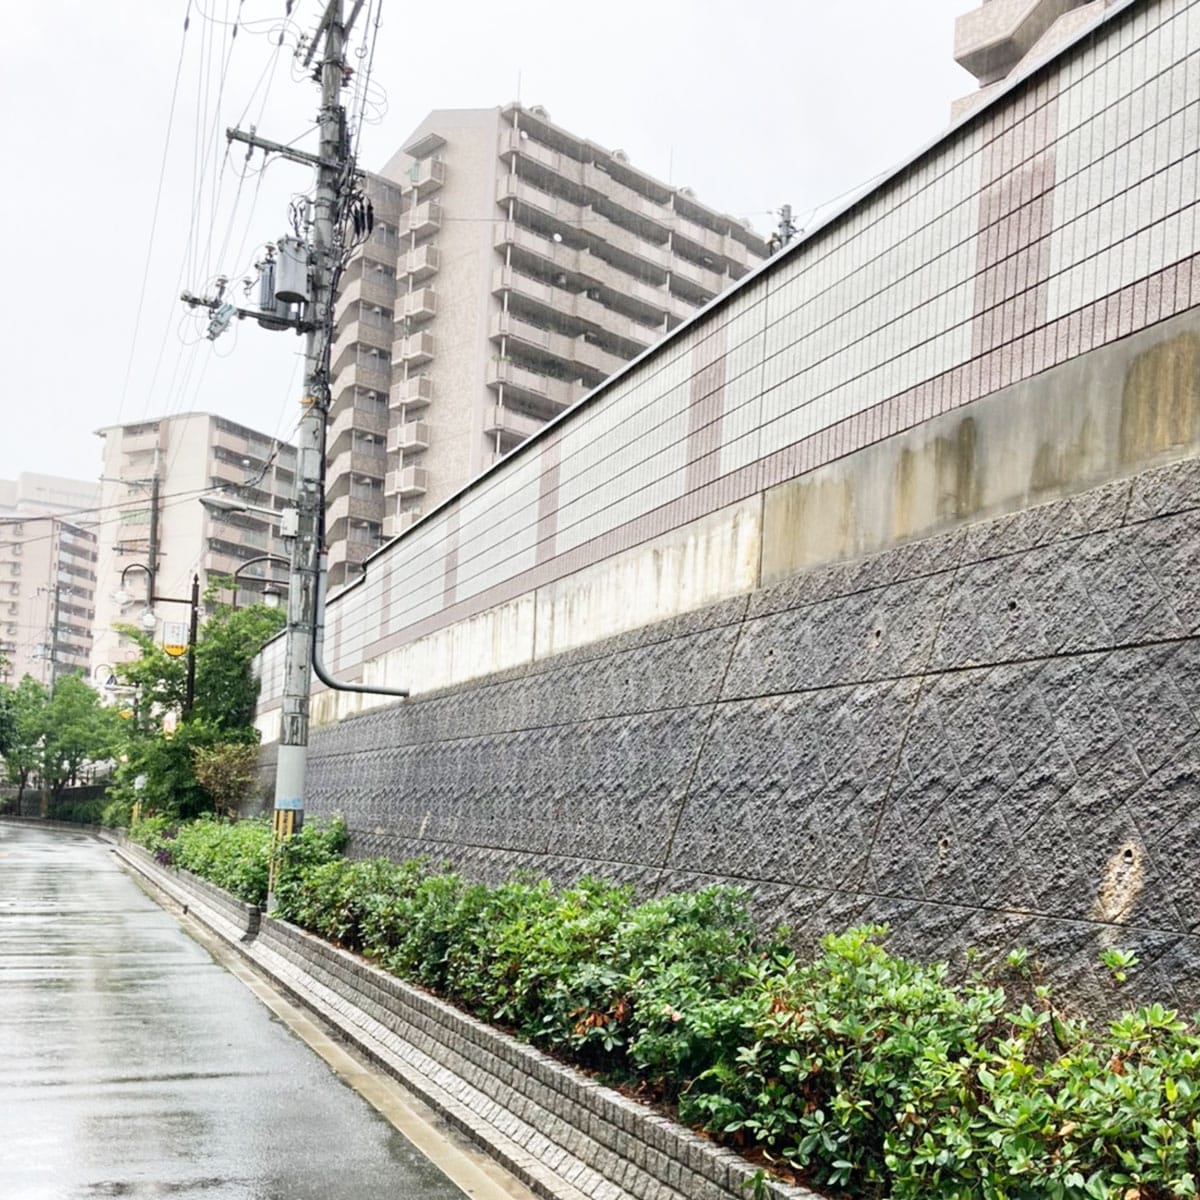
(415, 349)
(355, 508)
(556, 393)
(414, 392)
(425, 220)
(420, 305)
(426, 176)
(408, 481)
(412, 435)
(499, 419)
(370, 377)
(421, 262)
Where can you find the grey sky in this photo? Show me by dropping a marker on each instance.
(751, 105)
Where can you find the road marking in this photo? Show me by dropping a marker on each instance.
(462, 1162)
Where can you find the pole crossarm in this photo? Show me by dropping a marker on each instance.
(212, 304)
(261, 143)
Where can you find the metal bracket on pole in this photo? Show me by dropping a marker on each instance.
(213, 305)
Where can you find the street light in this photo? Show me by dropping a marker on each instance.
(286, 518)
(149, 621)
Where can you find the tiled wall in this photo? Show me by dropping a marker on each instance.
(1061, 217)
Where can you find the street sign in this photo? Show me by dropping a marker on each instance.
(175, 638)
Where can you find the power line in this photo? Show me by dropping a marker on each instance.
(158, 193)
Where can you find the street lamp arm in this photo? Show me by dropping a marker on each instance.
(261, 558)
(137, 567)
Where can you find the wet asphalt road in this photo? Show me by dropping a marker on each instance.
(132, 1064)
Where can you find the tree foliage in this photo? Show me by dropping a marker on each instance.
(26, 706)
(227, 771)
(159, 766)
(76, 729)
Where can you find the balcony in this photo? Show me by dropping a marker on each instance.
(349, 418)
(412, 435)
(425, 220)
(358, 550)
(408, 481)
(358, 461)
(499, 419)
(222, 471)
(141, 443)
(657, 257)
(603, 184)
(575, 351)
(512, 187)
(532, 385)
(355, 508)
(359, 333)
(396, 523)
(421, 262)
(558, 302)
(372, 287)
(511, 142)
(586, 267)
(414, 350)
(414, 392)
(371, 376)
(703, 279)
(386, 201)
(426, 176)
(420, 305)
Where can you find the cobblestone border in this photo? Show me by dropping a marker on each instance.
(562, 1134)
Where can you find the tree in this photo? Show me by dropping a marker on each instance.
(27, 723)
(77, 729)
(227, 771)
(158, 768)
(226, 686)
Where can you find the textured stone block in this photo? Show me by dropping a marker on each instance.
(984, 737)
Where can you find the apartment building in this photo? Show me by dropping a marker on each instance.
(154, 475)
(513, 267)
(47, 575)
(1001, 37)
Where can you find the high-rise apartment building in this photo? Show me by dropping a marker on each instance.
(513, 266)
(154, 474)
(47, 575)
(1003, 36)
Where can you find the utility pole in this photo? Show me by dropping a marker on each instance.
(298, 281)
(152, 554)
(332, 166)
(335, 180)
(785, 231)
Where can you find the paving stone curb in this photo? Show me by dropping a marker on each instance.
(562, 1134)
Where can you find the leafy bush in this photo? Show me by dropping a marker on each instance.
(235, 855)
(868, 1074)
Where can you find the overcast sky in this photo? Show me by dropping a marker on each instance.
(113, 110)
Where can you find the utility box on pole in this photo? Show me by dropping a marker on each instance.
(291, 272)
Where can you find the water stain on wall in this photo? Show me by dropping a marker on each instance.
(1160, 403)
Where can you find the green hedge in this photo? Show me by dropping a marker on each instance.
(868, 1074)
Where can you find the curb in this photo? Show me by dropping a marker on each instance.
(560, 1133)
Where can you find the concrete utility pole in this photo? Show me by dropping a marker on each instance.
(152, 552)
(298, 281)
(302, 586)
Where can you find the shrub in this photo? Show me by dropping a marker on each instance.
(867, 1073)
(235, 855)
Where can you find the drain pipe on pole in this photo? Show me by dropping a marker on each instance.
(318, 646)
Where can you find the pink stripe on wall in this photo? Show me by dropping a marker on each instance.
(1016, 213)
(706, 405)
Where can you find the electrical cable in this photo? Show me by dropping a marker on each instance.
(158, 193)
